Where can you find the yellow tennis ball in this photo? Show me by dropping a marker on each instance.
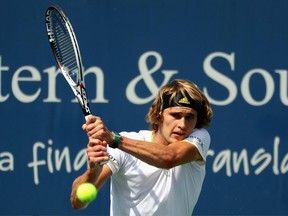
(86, 192)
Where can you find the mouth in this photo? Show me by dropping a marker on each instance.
(178, 135)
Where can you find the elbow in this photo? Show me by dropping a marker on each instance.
(167, 166)
(169, 161)
(76, 206)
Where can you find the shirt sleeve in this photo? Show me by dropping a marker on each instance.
(117, 157)
(201, 139)
(114, 162)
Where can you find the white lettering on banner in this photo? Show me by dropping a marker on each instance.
(19, 94)
(2, 68)
(261, 159)
(283, 86)
(55, 159)
(245, 87)
(99, 91)
(220, 78)
(36, 162)
(52, 73)
(231, 86)
(145, 74)
(6, 161)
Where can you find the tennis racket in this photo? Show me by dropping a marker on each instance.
(67, 54)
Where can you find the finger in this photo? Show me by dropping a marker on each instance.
(84, 126)
(88, 121)
(97, 133)
(97, 157)
(96, 154)
(91, 119)
(95, 124)
(96, 148)
(104, 143)
(94, 142)
(98, 160)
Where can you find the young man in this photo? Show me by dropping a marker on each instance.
(156, 172)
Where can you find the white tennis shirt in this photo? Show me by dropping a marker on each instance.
(138, 188)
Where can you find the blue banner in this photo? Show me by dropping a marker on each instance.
(236, 52)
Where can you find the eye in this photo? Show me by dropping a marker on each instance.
(176, 115)
(190, 117)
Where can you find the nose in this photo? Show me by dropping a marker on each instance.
(182, 123)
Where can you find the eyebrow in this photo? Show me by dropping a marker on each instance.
(187, 113)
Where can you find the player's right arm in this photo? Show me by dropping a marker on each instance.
(96, 174)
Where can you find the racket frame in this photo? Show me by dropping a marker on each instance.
(78, 88)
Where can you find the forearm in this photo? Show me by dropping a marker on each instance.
(91, 175)
(155, 154)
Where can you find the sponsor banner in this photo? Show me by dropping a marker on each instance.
(235, 51)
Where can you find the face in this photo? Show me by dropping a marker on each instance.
(177, 124)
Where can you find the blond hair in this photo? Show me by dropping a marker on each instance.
(184, 87)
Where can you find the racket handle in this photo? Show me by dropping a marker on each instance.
(87, 116)
(103, 162)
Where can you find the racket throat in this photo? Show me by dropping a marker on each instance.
(83, 100)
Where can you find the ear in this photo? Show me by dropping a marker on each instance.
(159, 117)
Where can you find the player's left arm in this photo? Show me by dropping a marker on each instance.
(162, 156)
(156, 154)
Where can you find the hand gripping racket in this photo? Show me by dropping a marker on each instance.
(67, 54)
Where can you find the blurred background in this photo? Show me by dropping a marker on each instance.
(234, 50)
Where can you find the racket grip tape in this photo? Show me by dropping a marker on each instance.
(87, 116)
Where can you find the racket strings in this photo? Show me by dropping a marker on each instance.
(64, 47)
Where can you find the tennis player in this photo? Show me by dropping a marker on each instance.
(158, 171)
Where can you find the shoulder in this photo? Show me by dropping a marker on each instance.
(200, 138)
(200, 133)
(144, 135)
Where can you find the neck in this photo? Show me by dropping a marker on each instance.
(157, 137)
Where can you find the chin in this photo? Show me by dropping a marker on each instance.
(176, 139)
